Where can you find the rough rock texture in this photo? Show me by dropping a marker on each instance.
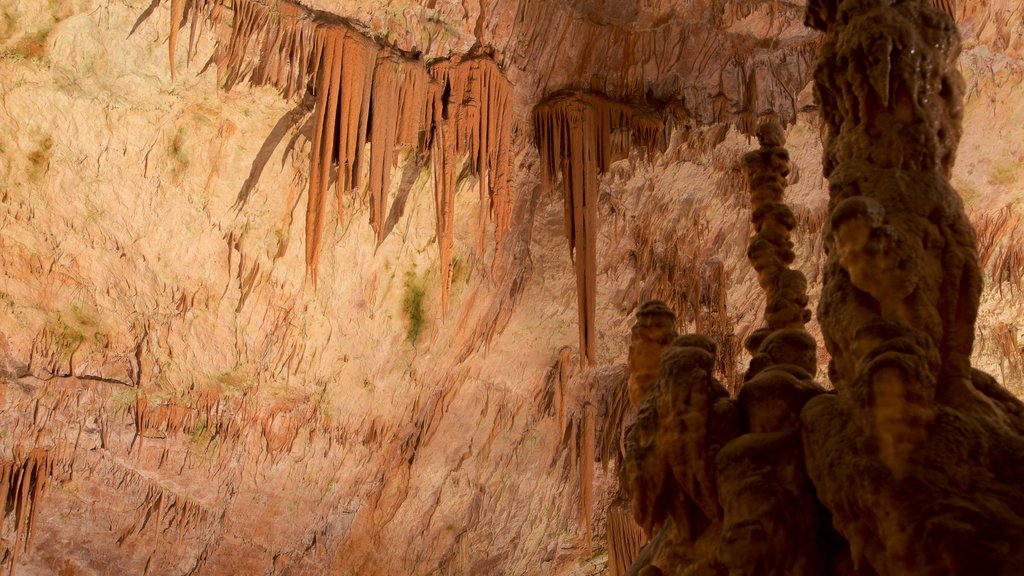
(176, 396)
(898, 307)
(729, 473)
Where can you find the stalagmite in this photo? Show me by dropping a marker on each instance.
(653, 331)
(574, 136)
(898, 311)
(736, 465)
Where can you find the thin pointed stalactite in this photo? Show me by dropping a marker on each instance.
(23, 481)
(177, 13)
(397, 112)
(329, 44)
(443, 157)
(574, 137)
(365, 93)
(586, 467)
(469, 112)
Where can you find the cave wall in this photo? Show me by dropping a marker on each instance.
(166, 351)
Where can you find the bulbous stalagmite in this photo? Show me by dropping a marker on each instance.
(653, 331)
(731, 480)
(771, 250)
(918, 456)
(683, 421)
(770, 522)
(771, 514)
(899, 240)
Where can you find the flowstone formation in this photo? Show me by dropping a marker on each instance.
(913, 464)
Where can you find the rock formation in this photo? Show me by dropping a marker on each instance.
(897, 314)
(729, 473)
(366, 93)
(574, 137)
(898, 311)
(177, 397)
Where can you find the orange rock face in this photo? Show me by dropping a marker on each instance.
(284, 287)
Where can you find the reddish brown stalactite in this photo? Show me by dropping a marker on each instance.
(177, 13)
(399, 96)
(23, 481)
(574, 137)
(469, 113)
(586, 468)
(366, 94)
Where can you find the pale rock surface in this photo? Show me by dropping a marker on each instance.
(197, 407)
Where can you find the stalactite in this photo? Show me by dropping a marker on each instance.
(177, 13)
(23, 482)
(586, 468)
(399, 96)
(625, 540)
(469, 112)
(344, 79)
(165, 509)
(574, 137)
(367, 94)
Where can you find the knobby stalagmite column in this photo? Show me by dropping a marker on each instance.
(719, 484)
(654, 330)
(770, 513)
(919, 457)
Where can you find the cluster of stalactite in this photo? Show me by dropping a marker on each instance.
(579, 135)
(23, 481)
(789, 478)
(456, 109)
